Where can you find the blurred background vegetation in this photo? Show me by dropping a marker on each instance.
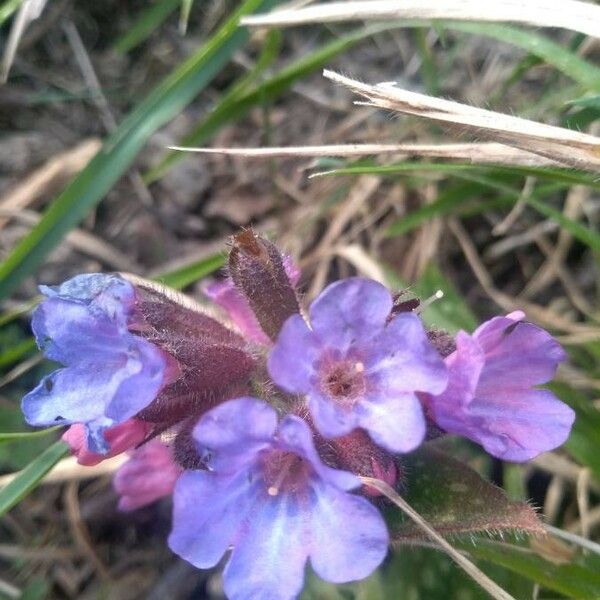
(97, 91)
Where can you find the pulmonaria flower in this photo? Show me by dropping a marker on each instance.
(149, 475)
(268, 495)
(110, 374)
(359, 366)
(492, 396)
(119, 438)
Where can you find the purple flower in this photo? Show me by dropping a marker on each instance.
(268, 495)
(110, 373)
(491, 396)
(359, 366)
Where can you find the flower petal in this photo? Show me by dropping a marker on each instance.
(349, 536)
(292, 360)
(519, 425)
(99, 392)
(104, 294)
(268, 562)
(330, 418)
(403, 359)
(208, 512)
(518, 354)
(231, 434)
(395, 422)
(349, 310)
(464, 366)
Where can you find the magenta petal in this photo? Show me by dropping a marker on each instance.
(120, 438)
(521, 426)
(292, 360)
(404, 360)
(268, 562)
(339, 552)
(350, 309)
(225, 294)
(208, 512)
(150, 474)
(395, 422)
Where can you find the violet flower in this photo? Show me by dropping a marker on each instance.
(149, 475)
(492, 396)
(359, 366)
(268, 495)
(110, 373)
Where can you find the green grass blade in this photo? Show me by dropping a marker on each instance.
(565, 60)
(192, 273)
(234, 106)
(184, 15)
(7, 438)
(30, 476)
(12, 355)
(8, 8)
(147, 21)
(457, 199)
(120, 149)
(478, 174)
(577, 579)
(565, 176)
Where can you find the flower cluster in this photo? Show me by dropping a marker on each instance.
(274, 413)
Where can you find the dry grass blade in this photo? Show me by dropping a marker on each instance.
(571, 148)
(476, 153)
(68, 469)
(491, 587)
(567, 14)
(48, 176)
(30, 10)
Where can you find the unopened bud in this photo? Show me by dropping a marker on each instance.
(257, 269)
(356, 452)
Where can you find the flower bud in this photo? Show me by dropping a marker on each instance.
(210, 357)
(357, 453)
(150, 474)
(257, 269)
(120, 438)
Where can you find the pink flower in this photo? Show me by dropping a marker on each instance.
(150, 474)
(120, 438)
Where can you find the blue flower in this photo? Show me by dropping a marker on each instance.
(359, 366)
(109, 375)
(267, 494)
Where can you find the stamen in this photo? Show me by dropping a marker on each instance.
(273, 491)
(426, 303)
(359, 367)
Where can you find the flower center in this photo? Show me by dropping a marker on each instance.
(284, 472)
(344, 381)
